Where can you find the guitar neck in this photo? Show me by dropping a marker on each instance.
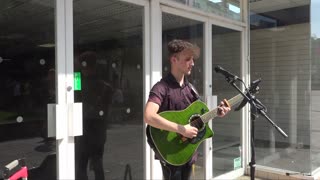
(214, 113)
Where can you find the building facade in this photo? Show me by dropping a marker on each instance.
(75, 76)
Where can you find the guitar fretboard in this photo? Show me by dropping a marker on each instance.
(214, 113)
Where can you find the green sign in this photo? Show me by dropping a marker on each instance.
(77, 81)
(237, 163)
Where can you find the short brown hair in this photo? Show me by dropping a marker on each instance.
(177, 46)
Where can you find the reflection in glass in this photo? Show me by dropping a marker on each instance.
(27, 85)
(226, 141)
(226, 8)
(175, 27)
(280, 55)
(315, 83)
(109, 56)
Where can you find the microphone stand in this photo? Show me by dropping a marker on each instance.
(256, 108)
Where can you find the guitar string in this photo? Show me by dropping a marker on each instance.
(212, 114)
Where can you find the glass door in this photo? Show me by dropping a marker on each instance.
(226, 52)
(177, 27)
(218, 157)
(108, 67)
(27, 77)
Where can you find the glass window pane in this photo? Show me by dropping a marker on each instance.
(280, 55)
(225, 8)
(175, 27)
(108, 44)
(27, 76)
(315, 83)
(226, 146)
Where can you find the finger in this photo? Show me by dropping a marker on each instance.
(224, 109)
(227, 109)
(193, 135)
(221, 111)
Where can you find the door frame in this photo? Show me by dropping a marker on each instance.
(66, 113)
(64, 89)
(174, 8)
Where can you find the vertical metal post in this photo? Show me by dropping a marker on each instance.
(64, 88)
(207, 66)
(156, 66)
(146, 84)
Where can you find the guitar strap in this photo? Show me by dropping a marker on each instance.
(194, 91)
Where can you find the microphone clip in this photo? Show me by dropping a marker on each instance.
(253, 89)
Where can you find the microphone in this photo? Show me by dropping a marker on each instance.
(226, 73)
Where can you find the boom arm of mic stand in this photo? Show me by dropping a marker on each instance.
(262, 110)
(254, 107)
(273, 124)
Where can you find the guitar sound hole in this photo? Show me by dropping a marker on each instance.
(197, 122)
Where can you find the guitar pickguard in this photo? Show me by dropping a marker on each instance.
(199, 137)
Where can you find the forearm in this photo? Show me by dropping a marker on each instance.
(152, 118)
(155, 120)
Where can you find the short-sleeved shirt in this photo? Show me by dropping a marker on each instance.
(169, 95)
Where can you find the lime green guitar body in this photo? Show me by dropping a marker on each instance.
(176, 149)
(172, 147)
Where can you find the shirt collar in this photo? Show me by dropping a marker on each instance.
(173, 80)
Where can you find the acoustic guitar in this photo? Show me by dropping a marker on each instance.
(173, 147)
